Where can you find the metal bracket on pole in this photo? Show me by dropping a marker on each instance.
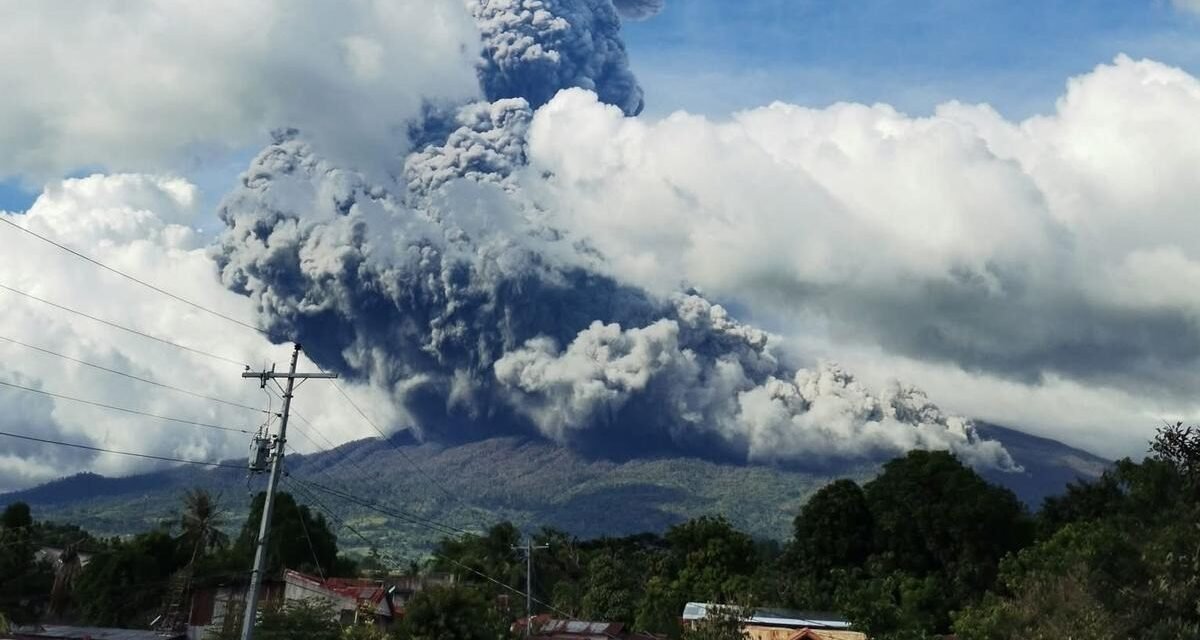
(260, 552)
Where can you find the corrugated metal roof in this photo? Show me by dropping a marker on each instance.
(580, 627)
(546, 627)
(358, 589)
(773, 617)
(63, 632)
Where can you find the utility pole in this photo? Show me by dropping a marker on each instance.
(260, 552)
(528, 548)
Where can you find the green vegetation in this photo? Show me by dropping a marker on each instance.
(926, 548)
(1118, 558)
(452, 613)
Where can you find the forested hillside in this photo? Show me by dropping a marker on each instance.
(926, 548)
(528, 482)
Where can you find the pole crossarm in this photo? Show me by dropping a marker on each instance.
(280, 374)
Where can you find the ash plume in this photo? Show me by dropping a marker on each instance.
(448, 288)
(534, 48)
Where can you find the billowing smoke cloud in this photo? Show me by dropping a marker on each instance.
(534, 48)
(480, 320)
(488, 145)
(639, 9)
(698, 374)
(456, 294)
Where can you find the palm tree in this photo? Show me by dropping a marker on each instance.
(201, 523)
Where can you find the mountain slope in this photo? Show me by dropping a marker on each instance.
(530, 482)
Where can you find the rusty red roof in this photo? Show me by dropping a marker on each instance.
(358, 589)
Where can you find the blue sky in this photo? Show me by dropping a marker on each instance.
(713, 56)
(15, 196)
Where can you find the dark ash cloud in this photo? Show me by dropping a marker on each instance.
(534, 48)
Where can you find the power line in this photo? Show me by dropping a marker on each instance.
(312, 497)
(122, 327)
(123, 409)
(300, 417)
(131, 376)
(173, 296)
(129, 277)
(412, 518)
(121, 453)
(406, 457)
(311, 548)
(443, 557)
(218, 314)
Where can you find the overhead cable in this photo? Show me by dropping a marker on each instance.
(102, 265)
(130, 375)
(123, 409)
(121, 327)
(121, 453)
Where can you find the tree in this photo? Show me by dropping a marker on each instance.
(298, 539)
(24, 582)
(1180, 447)
(16, 516)
(612, 590)
(200, 524)
(451, 613)
(935, 515)
(305, 619)
(719, 623)
(892, 605)
(1118, 558)
(711, 560)
(123, 585)
(491, 554)
(660, 607)
(1045, 607)
(834, 530)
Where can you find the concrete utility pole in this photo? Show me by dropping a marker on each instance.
(529, 548)
(260, 552)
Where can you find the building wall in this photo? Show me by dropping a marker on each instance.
(777, 633)
(216, 608)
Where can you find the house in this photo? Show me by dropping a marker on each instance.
(216, 607)
(547, 628)
(53, 555)
(780, 624)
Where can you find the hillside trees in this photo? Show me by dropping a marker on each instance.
(299, 539)
(1119, 558)
(123, 585)
(24, 582)
(901, 553)
(835, 530)
(452, 613)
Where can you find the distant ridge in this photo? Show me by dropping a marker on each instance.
(530, 482)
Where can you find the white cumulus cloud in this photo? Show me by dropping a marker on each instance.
(143, 83)
(140, 224)
(1062, 247)
(1187, 5)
